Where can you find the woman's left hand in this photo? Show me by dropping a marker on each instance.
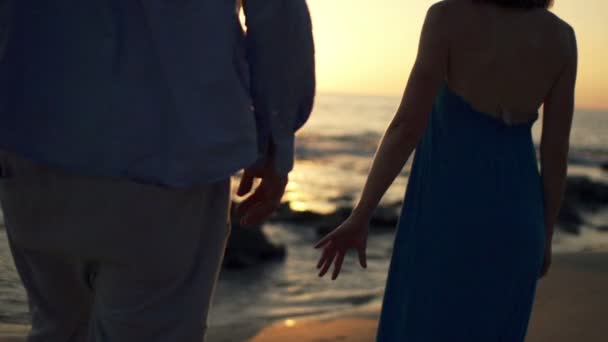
(352, 234)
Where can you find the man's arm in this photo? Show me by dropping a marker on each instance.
(5, 22)
(280, 53)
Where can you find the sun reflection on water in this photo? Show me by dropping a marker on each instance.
(298, 206)
(304, 198)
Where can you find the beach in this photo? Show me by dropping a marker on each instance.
(268, 287)
(571, 305)
(333, 155)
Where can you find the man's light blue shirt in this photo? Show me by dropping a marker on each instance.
(158, 91)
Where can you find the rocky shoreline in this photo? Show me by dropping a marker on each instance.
(249, 246)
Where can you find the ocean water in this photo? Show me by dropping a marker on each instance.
(334, 153)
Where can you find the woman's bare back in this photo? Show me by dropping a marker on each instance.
(505, 61)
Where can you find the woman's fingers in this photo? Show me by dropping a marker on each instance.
(324, 240)
(336, 244)
(323, 257)
(338, 264)
(330, 260)
(362, 256)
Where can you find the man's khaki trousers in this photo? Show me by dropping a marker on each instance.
(106, 260)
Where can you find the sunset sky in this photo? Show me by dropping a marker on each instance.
(368, 47)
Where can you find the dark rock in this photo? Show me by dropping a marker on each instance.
(326, 229)
(332, 220)
(582, 194)
(569, 228)
(586, 193)
(386, 217)
(286, 214)
(304, 217)
(604, 166)
(569, 218)
(343, 198)
(603, 229)
(284, 211)
(249, 246)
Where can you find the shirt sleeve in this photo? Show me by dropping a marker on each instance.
(5, 22)
(280, 53)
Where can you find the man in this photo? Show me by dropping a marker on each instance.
(121, 122)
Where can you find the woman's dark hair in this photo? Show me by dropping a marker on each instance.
(520, 3)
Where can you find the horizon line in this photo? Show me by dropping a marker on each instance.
(381, 95)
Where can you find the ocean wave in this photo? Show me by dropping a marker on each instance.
(312, 146)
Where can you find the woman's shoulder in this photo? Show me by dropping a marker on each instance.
(452, 11)
(444, 12)
(564, 33)
(451, 6)
(558, 22)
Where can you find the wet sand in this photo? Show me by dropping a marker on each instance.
(572, 305)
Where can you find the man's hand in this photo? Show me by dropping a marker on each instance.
(265, 199)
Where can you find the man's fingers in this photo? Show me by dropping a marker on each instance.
(248, 218)
(338, 265)
(246, 184)
(243, 207)
(251, 201)
(259, 213)
(267, 195)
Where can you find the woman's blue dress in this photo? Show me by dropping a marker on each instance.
(470, 241)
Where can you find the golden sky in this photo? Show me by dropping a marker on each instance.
(369, 46)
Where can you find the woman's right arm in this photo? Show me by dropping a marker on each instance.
(555, 142)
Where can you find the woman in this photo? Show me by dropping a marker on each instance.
(476, 227)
